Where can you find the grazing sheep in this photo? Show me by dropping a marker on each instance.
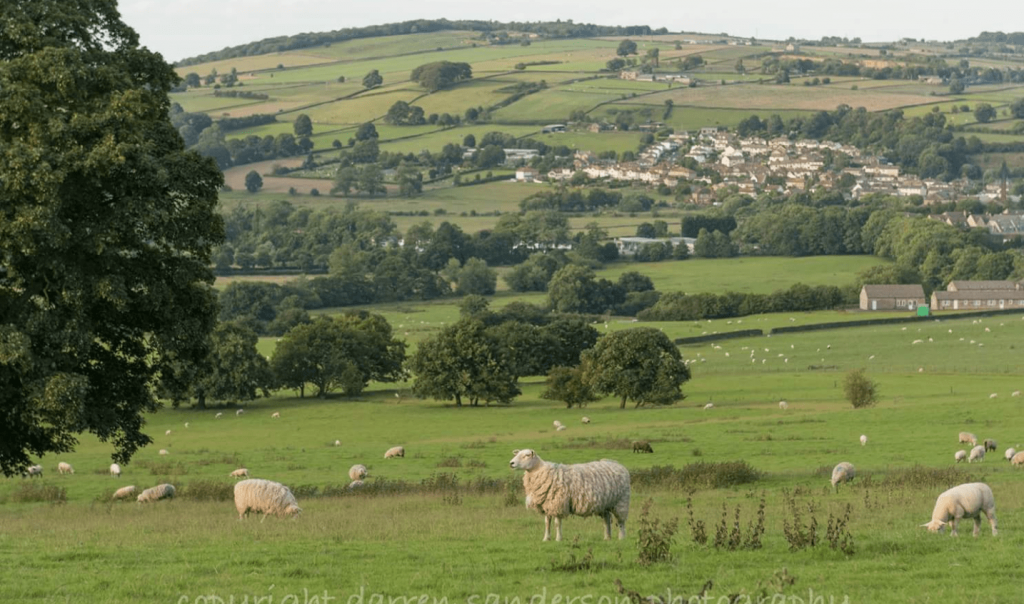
(65, 468)
(164, 452)
(265, 497)
(990, 444)
(186, 424)
(1010, 453)
(115, 470)
(556, 423)
(168, 433)
(239, 412)
(967, 437)
(160, 491)
(275, 415)
(642, 446)
(965, 501)
(36, 470)
(123, 493)
(598, 488)
(844, 472)
(863, 439)
(783, 405)
(355, 484)
(585, 420)
(218, 416)
(1018, 459)
(977, 454)
(1015, 393)
(709, 406)
(960, 455)
(357, 472)
(337, 443)
(559, 429)
(993, 395)
(394, 452)
(239, 473)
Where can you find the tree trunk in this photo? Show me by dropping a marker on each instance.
(201, 401)
(622, 404)
(458, 400)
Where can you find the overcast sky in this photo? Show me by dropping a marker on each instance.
(184, 28)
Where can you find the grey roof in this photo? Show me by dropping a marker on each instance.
(895, 291)
(980, 295)
(981, 285)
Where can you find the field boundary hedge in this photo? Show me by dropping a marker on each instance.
(728, 335)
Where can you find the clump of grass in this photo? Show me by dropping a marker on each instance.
(450, 462)
(654, 537)
(697, 452)
(476, 444)
(571, 562)
(594, 443)
(837, 534)
(476, 463)
(208, 490)
(30, 492)
(513, 493)
(922, 477)
(165, 468)
(696, 476)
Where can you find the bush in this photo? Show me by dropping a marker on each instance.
(859, 389)
(654, 538)
(28, 492)
(208, 490)
(697, 476)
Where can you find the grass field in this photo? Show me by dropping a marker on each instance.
(424, 536)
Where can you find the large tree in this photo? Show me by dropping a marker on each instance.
(372, 79)
(106, 229)
(626, 47)
(235, 370)
(463, 361)
(640, 364)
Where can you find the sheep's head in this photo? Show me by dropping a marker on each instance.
(935, 526)
(292, 510)
(524, 459)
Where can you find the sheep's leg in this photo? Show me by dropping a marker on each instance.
(607, 526)
(558, 528)
(954, 524)
(991, 515)
(620, 518)
(547, 528)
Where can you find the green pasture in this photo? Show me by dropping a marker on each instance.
(290, 59)
(552, 105)
(434, 140)
(198, 102)
(461, 543)
(363, 108)
(771, 96)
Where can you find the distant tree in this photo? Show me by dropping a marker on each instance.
(371, 180)
(739, 67)
(372, 79)
(646, 229)
(234, 369)
(303, 126)
(469, 141)
(365, 152)
(626, 47)
(859, 389)
(410, 181)
(640, 364)
(366, 131)
(475, 277)
(1017, 108)
(984, 113)
(345, 180)
(568, 385)
(441, 74)
(253, 181)
(956, 86)
(654, 56)
(404, 114)
(614, 65)
(490, 156)
(463, 362)
(192, 80)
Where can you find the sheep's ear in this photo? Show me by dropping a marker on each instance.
(515, 452)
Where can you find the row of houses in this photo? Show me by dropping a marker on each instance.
(958, 295)
(1005, 227)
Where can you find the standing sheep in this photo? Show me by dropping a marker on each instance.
(239, 412)
(977, 454)
(357, 472)
(965, 501)
(559, 429)
(556, 423)
(967, 437)
(355, 484)
(843, 472)
(124, 493)
(218, 416)
(598, 488)
(960, 455)
(239, 473)
(65, 468)
(990, 444)
(709, 406)
(642, 446)
(585, 420)
(160, 491)
(863, 439)
(337, 443)
(783, 405)
(36, 470)
(275, 415)
(115, 470)
(1010, 453)
(164, 452)
(265, 497)
(168, 433)
(394, 452)
(1018, 459)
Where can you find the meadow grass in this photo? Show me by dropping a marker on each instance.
(771, 96)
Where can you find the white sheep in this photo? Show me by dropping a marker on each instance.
(960, 455)
(275, 415)
(863, 439)
(1010, 453)
(967, 437)
(355, 484)
(265, 497)
(585, 420)
(709, 406)
(843, 472)
(160, 491)
(124, 493)
(357, 472)
(218, 416)
(168, 433)
(977, 454)
(186, 424)
(556, 423)
(115, 470)
(394, 452)
(990, 444)
(65, 468)
(164, 452)
(1015, 393)
(993, 395)
(598, 488)
(337, 443)
(239, 412)
(559, 429)
(1018, 459)
(239, 473)
(783, 405)
(36, 470)
(965, 501)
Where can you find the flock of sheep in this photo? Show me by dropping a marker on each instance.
(978, 451)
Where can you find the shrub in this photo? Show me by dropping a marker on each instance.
(696, 476)
(208, 490)
(28, 492)
(654, 538)
(859, 389)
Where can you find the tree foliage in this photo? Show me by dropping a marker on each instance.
(626, 47)
(859, 389)
(463, 361)
(441, 74)
(253, 181)
(106, 225)
(640, 365)
(372, 79)
(234, 370)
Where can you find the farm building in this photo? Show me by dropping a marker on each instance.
(891, 297)
(983, 286)
(527, 175)
(629, 246)
(550, 128)
(979, 295)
